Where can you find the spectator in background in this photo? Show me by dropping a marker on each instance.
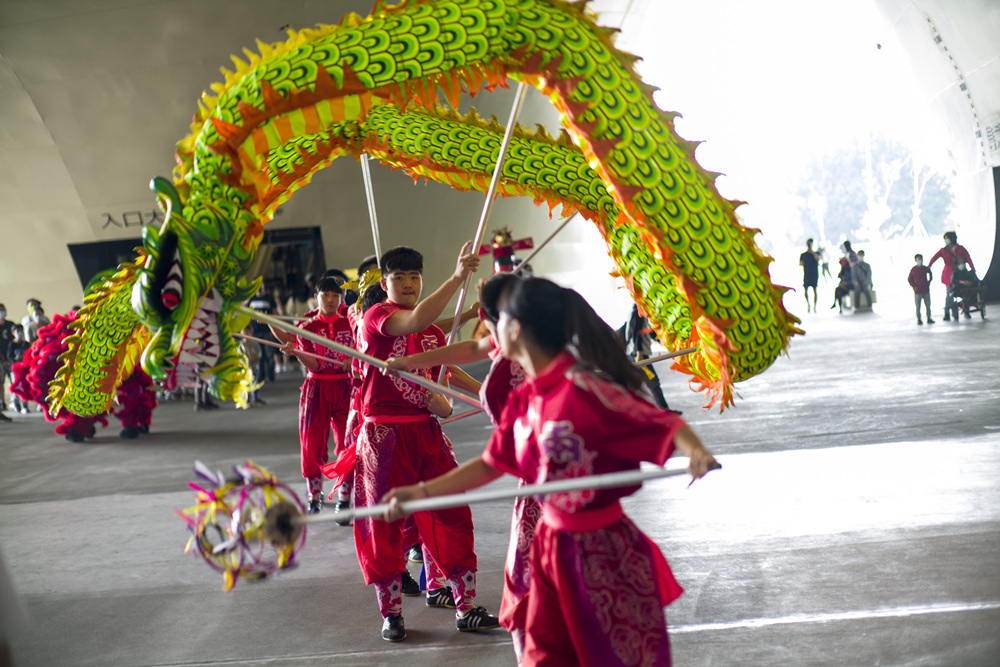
(15, 353)
(844, 286)
(264, 303)
(861, 273)
(637, 335)
(27, 319)
(955, 258)
(36, 320)
(824, 259)
(809, 261)
(920, 280)
(6, 336)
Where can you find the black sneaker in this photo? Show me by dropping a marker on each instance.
(411, 588)
(4, 418)
(129, 433)
(441, 597)
(393, 629)
(476, 618)
(315, 505)
(415, 554)
(345, 519)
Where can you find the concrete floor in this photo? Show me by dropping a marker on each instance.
(856, 521)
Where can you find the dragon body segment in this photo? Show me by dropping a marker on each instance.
(370, 85)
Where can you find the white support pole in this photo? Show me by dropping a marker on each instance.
(361, 356)
(662, 357)
(366, 173)
(488, 206)
(605, 481)
(543, 244)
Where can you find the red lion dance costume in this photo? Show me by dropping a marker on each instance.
(32, 376)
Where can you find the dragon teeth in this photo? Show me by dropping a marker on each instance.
(189, 359)
(212, 302)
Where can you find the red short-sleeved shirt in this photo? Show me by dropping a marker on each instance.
(504, 376)
(569, 423)
(383, 395)
(337, 329)
(357, 365)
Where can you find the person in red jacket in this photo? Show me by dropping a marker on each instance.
(956, 258)
(401, 443)
(920, 280)
(326, 391)
(598, 584)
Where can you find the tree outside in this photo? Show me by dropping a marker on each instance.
(877, 190)
(879, 195)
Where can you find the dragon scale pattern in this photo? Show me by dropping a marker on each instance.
(371, 85)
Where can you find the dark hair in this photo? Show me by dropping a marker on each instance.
(367, 264)
(334, 273)
(492, 289)
(918, 255)
(372, 296)
(951, 235)
(401, 258)
(809, 241)
(555, 317)
(847, 246)
(329, 284)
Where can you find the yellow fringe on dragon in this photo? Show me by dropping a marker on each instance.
(371, 85)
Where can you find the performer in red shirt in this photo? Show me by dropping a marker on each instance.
(598, 584)
(325, 397)
(504, 375)
(401, 443)
(367, 272)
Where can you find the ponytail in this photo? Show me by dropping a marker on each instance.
(556, 318)
(598, 344)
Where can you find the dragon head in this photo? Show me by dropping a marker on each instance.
(185, 293)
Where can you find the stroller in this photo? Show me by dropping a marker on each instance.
(968, 294)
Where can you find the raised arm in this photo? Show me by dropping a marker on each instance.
(406, 322)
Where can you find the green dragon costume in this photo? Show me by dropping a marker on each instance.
(370, 85)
